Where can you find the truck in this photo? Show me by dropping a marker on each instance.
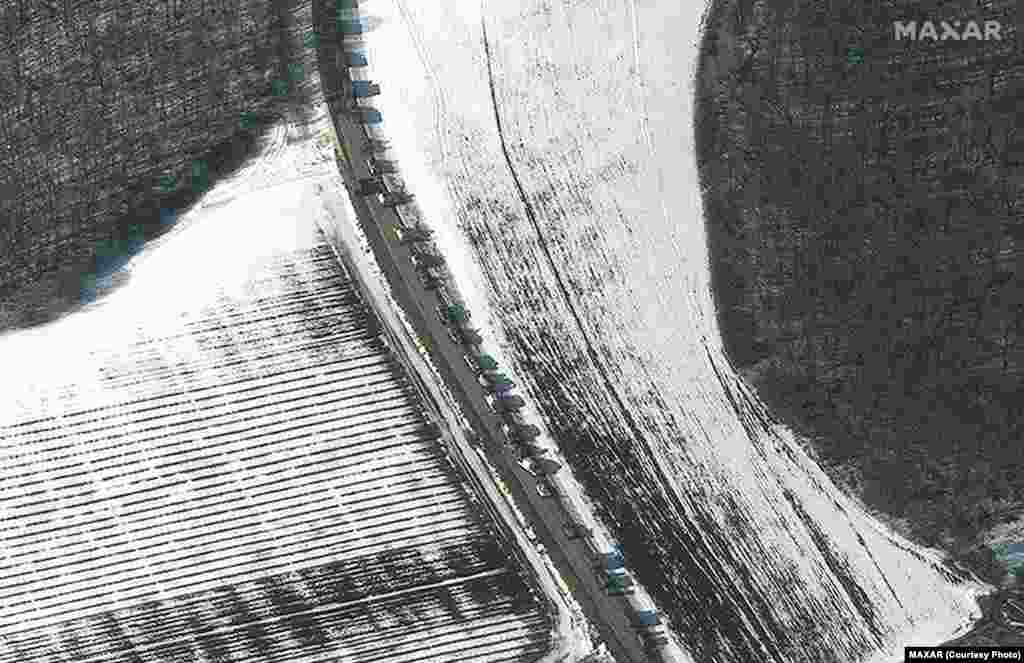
(396, 198)
(431, 278)
(426, 260)
(546, 466)
(382, 166)
(355, 58)
(501, 387)
(534, 451)
(620, 584)
(408, 235)
(370, 186)
(457, 313)
(645, 619)
(486, 362)
(575, 529)
(524, 432)
(498, 382)
(365, 89)
(654, 641)
(472, 337)
(508, 402)
(365, 115)
(611, 562)
(353, 26)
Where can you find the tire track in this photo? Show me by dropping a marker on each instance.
(645, 124)
(441, 104)
(592, 352)
(766, 635)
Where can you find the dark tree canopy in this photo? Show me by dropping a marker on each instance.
(115, 110)
(865, 199)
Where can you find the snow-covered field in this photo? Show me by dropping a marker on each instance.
(550, 143)
(220, 459)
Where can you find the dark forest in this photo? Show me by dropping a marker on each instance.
(114, 111)
(865, 199)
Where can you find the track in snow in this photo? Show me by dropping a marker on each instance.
(222, 458)
(606, 308)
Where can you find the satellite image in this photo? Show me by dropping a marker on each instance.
(472, 331)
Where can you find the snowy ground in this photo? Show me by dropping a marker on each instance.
(219, 458)
(585, 251)
(571, 642)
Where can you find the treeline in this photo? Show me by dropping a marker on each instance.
(864, 198)
(113, 110)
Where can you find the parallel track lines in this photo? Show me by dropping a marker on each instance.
(337, 615)
(255, 462)
(344, 368)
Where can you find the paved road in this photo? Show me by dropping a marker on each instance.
(571, 557)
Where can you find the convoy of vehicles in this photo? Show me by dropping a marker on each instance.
(501, 396)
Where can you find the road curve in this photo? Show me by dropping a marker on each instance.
(460, 449)
(572, 558)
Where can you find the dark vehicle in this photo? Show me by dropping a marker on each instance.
(364, 89)
(396, 198)
(366, 115)
(501, 387)
(370, 186)
(425, 260)
(356, 59)
(508, 403)
(486, 363)
(534, 451)
(646, 619)
(382, 166)
(431, 279)
(546, 466)
(491, 377)
(620, 585)
(457, 313)
(355, 26)
(611, 562)
(524, 433)
(654, 641)
(576, 530)
(472, 337)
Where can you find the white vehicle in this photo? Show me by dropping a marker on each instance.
(527, 465)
